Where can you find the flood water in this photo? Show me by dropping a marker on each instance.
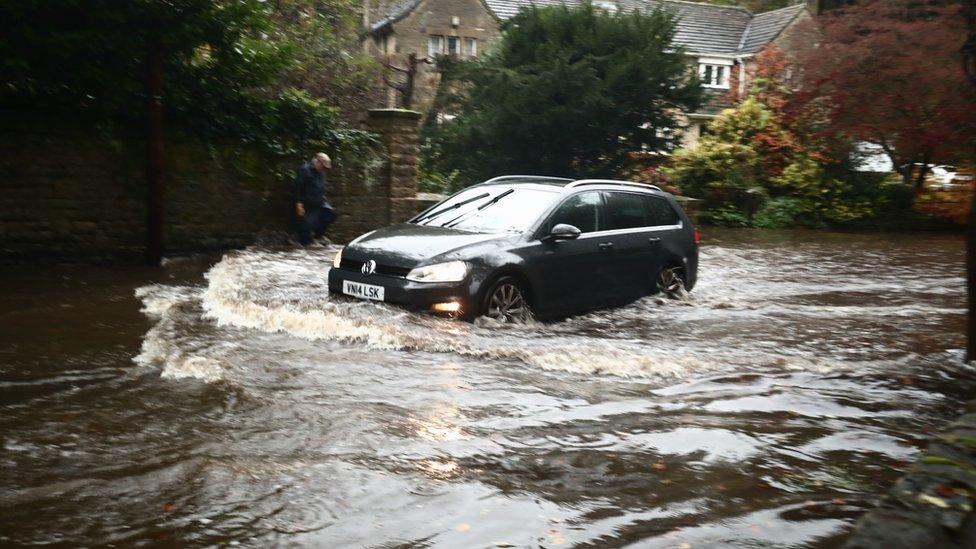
(231, 401)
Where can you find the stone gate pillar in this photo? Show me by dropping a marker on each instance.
(399, 131)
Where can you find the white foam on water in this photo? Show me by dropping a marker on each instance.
(224, 302)
(157, 299)
(168, 345)
(288, 304)
(287, 292)
(195, 367)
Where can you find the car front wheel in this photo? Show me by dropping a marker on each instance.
(507, 301)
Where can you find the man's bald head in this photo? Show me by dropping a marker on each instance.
(321, 161)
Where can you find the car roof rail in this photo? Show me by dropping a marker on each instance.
(584, 182)
(524, 177)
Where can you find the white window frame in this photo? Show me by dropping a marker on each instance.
(473, 42)
(440, 42)
(457, 42)
(715, 65)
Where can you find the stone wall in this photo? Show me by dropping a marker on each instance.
(71, 193)
(932, 505)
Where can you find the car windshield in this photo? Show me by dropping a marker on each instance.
(496, 208)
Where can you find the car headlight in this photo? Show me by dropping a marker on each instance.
(338, 259)
(452, 271)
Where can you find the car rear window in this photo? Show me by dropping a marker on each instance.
(625, 211)
(633, 210)
(659, 212)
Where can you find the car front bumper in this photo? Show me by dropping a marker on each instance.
(417, 296)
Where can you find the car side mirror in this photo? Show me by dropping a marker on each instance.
(563, 231)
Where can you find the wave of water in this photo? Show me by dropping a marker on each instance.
(286, 291)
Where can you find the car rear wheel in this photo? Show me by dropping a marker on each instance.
(507, 301)
(671, 283)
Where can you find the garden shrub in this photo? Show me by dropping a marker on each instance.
(757, 145)
(781, 212)
(729, 216)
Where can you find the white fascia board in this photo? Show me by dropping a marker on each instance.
(719, 58)
(727, 61)
(707, 55)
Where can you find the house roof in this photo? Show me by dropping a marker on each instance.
(765, 27)
(396, 10)
(701, 28)
(707, 28)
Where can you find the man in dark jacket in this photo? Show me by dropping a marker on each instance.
(314, 212)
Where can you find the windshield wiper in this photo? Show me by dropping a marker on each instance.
(459, 218)
(432, 215)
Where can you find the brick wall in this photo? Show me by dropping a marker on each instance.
(70, 193)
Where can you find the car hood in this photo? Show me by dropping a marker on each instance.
(408, 244)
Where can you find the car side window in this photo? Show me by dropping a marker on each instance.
(625, 211)
(659, 212)
(580, 210)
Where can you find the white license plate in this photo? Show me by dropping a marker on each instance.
(362, 291)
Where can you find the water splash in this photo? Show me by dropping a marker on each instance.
(286, 291)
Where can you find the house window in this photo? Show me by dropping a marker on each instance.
(714, 76)
(470, 47)
(453, 45)
(435, 45)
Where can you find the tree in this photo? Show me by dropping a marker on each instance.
(218, 68)
(327, 58)
(888, 72)
(755, 148)
(567, 92)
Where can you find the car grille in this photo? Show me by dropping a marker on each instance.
(388, 270)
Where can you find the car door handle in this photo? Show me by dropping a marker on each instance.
(606, 246)
(654, 240)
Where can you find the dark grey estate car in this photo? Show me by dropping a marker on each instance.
(517, 246)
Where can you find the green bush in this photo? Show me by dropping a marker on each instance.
(897, 196)
(782, 212)
(729, 216)
(756, 145)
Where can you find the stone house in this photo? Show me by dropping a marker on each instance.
(425, 29)
(720, 41)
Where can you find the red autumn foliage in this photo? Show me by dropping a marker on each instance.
(771, 71)
(890, 72)
(782, 136)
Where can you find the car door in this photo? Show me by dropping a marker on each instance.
(568, 275)
(665, 231)
(633, 262)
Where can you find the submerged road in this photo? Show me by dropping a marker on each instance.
(230, 400)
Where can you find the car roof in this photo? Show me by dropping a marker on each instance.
(523, 179)
(567, 183)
